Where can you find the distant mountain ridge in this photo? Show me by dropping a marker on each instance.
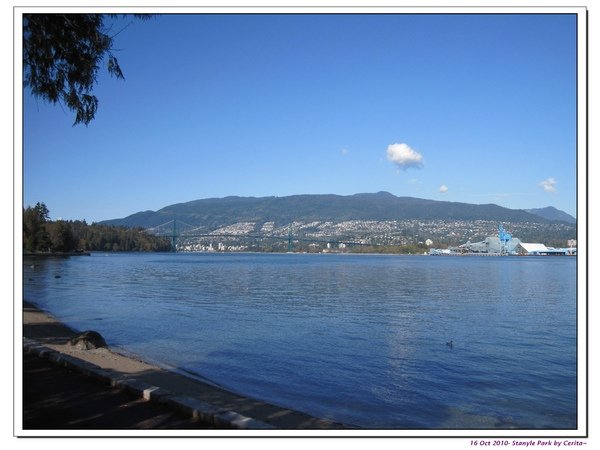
(213, 213)
(553, 214)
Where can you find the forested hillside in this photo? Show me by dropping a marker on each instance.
(217, 212)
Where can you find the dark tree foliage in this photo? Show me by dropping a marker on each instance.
(43, 235)
(62, 237)
(62, 54)
(108, 238)
(35, 235)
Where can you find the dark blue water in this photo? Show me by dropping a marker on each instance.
(353, 338)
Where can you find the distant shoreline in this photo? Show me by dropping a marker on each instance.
(54, 254)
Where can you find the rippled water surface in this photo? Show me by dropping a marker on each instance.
(354, 338)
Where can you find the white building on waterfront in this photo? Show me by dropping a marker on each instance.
(541, 249)
(491, 244)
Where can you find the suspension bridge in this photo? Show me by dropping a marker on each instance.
(178, 231)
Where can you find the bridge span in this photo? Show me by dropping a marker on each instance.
(177, 230)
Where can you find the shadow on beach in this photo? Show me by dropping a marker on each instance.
(56, 398)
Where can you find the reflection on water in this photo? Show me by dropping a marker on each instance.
(358, 339)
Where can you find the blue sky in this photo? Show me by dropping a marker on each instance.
(466, 108)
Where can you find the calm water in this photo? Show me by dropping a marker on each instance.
(357, 339)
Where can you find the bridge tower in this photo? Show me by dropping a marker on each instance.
(174, 237)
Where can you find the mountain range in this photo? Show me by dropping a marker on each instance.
(553, 214)
(213, 213)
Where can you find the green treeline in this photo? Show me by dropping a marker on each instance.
(40, 234)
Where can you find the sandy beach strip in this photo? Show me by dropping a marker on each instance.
(48, 337)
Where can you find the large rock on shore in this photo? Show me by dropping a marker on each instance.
(88, 340)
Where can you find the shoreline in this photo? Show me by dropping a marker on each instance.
(55, 254)
(46, 337)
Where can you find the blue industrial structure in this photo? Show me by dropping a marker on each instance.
(505, 237)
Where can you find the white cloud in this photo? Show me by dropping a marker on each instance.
(404, 156)
(443, 188)
(548, 185)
